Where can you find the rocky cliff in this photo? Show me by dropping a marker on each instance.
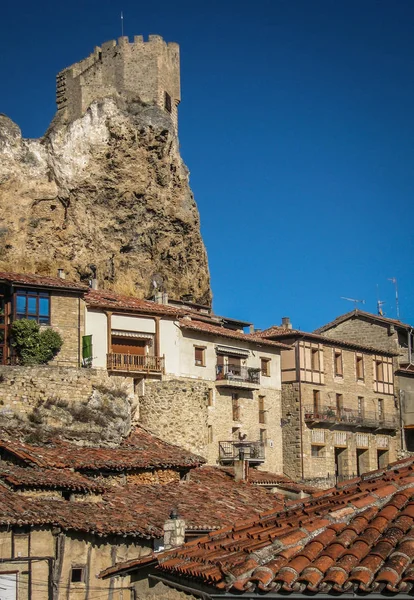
(110, 191)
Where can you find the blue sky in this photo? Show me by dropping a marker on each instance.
(296, 123)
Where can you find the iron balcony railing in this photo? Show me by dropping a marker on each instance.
(233, 450)
(348, 416)
(134, 363)
(238, 373)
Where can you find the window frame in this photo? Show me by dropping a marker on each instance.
(80, 568)
(262, 410)
(337, 354)
(359, 360)
(203, 356)
(167, 102)
(265, 366)
(41, 319)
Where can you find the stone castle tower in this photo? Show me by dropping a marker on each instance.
(149, 70)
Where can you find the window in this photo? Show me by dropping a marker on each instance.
(359, 367)
(339, 403)
(209, 434)
(199, 356)
(379, 371)
(315, 363)
(316, 400)
(262, 436)
(210, 397)
(317, 451)
(338, 368)
(380, 409)
(235, 407)
(33, 305)
(235, 433)
(167, 102)
(77, 574)
(360, 406)
(262, 412)
(265, 366)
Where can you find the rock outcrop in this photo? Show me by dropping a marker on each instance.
(107, 191)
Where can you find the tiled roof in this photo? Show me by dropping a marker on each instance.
(209, 500)
(228, 333)
(356, 538)
(41, 281)
(281, 333)
(361, 313)
(28, 477)
(115, 301)
(140, 450)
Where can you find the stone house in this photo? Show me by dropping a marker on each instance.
(202, 382)
(51, 302)
(351, 540)
(385, 334)
(70, 511)
(340, 418)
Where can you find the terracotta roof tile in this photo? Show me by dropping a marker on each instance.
(141, 450)
(361, 313)
(372, 545)
(109, 299)
(23, 279)
(209, 328)
(280, 333)
(29, 478)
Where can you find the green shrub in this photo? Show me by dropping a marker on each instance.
(34, 346)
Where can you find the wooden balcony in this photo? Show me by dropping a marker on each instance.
(134, 363)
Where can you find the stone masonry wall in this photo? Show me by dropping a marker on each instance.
(365, 333)
(146, 69)
(68, 318)
(367, 446)
(176, 411)
(87, 402)
(291, 430)
(197, 416)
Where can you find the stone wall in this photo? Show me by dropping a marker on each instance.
(291, 430)
(384, 337)
(146, 69)
(360, 449)
(147, 589)
(86, 401)
(67, 316)
(196, 415)
(176, 411)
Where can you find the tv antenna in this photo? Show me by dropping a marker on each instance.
(380, 304)
(394, 281)
(122, 23)
(354, 300)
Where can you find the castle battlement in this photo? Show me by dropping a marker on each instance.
(150, 69)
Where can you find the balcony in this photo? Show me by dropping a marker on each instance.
(348, 417)
(134, 363)
(253, 452)
(236, 376)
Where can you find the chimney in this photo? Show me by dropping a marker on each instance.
(251, 328)
(93, 284)
(286, 324)
(174, 531)
(158, 297)
(164, 298)
(241, 467)
(61, 274)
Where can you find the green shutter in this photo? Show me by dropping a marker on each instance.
(87, 350)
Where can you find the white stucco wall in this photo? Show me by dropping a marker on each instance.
(141, 324)
(96, 325)
(188, 368)
(170, 346)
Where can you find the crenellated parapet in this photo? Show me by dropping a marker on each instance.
(150, 69)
